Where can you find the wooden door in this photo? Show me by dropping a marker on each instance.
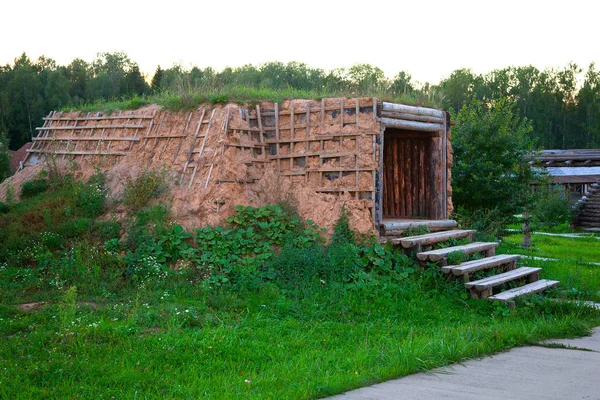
(407, 175)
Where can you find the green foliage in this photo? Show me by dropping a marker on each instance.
(5, 171)
(4, 208)
(140, 190)
(68, 308)
(490, 169)
(342, 234)
(489, 224)
(416, 231)
(457, 257)
(91, 196)
(34, 187)
(552, 208)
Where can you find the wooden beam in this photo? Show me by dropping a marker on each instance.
(81, 127)
(411, 125)
(431, 112)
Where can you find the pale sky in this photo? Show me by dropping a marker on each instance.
(428, 39)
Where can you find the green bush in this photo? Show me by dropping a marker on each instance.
(139, 190)
(4, 208)
(491, 168)
(34, 187)
(552, 208)
(91, 196)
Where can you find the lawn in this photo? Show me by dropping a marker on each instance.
(260, 308)
(572, 261)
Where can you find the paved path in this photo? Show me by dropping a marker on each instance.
(525, 373)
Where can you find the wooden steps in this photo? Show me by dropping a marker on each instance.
(441, 254)
(432, 238)
(486, 288)
(483, 288)
(534, 287)
(467, 268)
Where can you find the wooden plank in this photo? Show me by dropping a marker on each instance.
(432, 238)
(225, 127)
(98, 118)
(398, 183)
(260, 124)
(318, 138)
(277, 137)
(412, 117)
(83, 127)
(496, 280)
(312, 109)
(84, 139)
(292, 123)
(412, 110)
(415, 178)
(78, 153)
(322, 115)
(327, 189)
(477, 265)
(200, 121)
(530, 288)
(411, 125)
(439, 254)
(334, 154)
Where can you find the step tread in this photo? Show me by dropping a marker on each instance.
(476, 265)
(499, 279)
(432, 238)
(438, 254)
(534, 287)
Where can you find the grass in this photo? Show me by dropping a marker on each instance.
(585, 249)
(189, 99)
(571, 265)
(161, 313)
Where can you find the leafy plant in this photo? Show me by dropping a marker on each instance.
(145, 186)
(34, 187)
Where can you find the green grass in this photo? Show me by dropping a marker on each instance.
(586, 249)
(174, 340)
(189, 99)
(243, 322)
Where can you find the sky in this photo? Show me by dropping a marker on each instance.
(428, 39)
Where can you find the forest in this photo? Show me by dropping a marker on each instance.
(563, 104)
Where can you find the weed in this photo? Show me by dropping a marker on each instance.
(34, 187)
(416, 231)
(342, 234)
(145, 186)
(457, 257)
(11, 196)
(68, 308)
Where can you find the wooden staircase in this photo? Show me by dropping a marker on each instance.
(589, 208)
(505, 280)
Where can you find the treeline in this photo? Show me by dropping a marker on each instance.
(565, 114)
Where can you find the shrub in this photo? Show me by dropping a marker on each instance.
(141, 189)
(491, 170)
(4, 208)
(489, 223)
(341, 229)
(34, 187)
(90, 197)
(552, 208)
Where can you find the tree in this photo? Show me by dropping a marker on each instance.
(491, 170)
(156, 79)
(134, 83)
(5, 171)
